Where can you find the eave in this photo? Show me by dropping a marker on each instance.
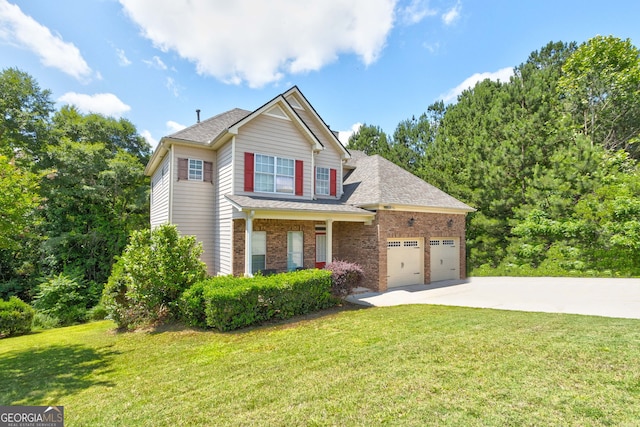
(411, 208)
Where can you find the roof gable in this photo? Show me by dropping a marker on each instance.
(280, 104)
(377, 181)
(299, 102)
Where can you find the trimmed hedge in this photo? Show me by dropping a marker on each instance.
(227, 302)
(16, 317)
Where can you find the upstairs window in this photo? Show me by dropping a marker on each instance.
(195, 170)
(326, 181)
(274, 174)
(322, 181)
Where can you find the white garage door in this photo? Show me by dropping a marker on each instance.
(445, 258)
(405, 262)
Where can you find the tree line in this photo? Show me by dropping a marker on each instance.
(549, 159)
(72, 189)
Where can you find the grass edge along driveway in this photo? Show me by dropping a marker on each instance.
(405, 365)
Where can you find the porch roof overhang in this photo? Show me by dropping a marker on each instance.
(304, 210)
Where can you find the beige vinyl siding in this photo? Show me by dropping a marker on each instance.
(159, 211)
(330, 156)
(224, 211)
(272, 136)
(193, 209)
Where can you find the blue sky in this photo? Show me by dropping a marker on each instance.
(378, 62)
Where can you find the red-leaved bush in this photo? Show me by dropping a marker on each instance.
(345, 277)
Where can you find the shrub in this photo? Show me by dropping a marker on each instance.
(192, 306)
(149, 277)
(44, 321)
(99, 312)
(228, 302)
(16, 317)
(345, 277)
(64, 298)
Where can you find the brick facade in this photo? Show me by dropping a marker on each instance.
(367, 244)
(276, 257)
(355, 242)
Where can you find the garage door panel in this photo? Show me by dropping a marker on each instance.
(405, 262)
(445, 258)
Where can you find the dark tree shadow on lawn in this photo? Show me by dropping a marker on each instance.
(44, 375)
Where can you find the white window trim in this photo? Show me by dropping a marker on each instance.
(275, 174)
(259, 251)
(291, 253)
(328, 181)
(189, 178)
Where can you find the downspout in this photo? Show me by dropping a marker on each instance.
(313, 174)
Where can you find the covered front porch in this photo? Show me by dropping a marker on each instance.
(274, 235)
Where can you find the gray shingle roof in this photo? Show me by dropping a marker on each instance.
(377, 181)
(320, 205)
(208, 129)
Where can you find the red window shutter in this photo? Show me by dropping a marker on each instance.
(248, 171)
(299, 177)
(208, 172)
(333, 185)
(183, 169)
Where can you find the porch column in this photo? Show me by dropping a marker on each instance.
(329, 231)
(248, 233)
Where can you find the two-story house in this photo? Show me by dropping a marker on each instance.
(274, 190)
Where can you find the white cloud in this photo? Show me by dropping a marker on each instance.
(431, 47)
(415, 12)
(23, 31)
(102, 103)
(260, 42)
(174, 126)
(155, 62)
(452, 14)
(344, 135)
(502, 75)
(173, 86)
(122, 58)
(150, 139)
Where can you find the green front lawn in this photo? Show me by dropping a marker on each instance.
(408, 365)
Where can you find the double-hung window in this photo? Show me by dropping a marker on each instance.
(258, 251)
(274, 174)
(195, 170)
(295, 250)
(322, 181)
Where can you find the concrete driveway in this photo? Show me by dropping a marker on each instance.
(599, 297)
